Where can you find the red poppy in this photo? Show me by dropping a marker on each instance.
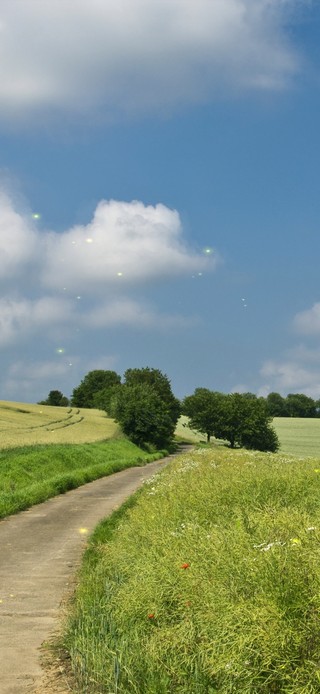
(185, 565)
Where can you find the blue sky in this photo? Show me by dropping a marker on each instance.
(160, 193)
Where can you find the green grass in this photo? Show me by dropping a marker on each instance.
(33, 474)
(242, 617)
(298, 436)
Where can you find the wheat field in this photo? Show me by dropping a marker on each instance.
(24, 424)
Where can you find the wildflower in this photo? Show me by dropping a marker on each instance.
(312, 527)
(317, 469)
(264, 547)
(185, 565)
(295, 541)
(151, 615)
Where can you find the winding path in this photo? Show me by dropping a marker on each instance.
(40, 550)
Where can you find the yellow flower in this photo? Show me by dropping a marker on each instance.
(295, 541)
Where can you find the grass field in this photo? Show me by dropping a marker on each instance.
(183, 432)
(207, 583)
(22, 424)
(298, 436)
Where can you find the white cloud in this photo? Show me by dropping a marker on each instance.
(22, 317)
(299, 370)
(289, 376)
(125, 242)
(138, 55)
(83, 278)
(18, 240)
(308, 322)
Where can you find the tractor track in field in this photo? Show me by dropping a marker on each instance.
(40, 551)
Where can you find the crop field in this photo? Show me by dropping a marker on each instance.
(24, 424)
(184, 433)
(298, 436)
(207, 584)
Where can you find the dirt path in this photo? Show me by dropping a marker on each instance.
(40, 550)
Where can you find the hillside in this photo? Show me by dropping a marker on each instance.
(23, 424)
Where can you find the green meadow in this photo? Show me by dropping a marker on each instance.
(299, 436)
(207, 581)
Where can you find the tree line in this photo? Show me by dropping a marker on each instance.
(293, 405)
(147, 410)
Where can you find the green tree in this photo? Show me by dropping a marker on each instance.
(56, 398)
(103, 399)
(233, 415)
(93, 382)
(204, 409)
(160, 383)
(300, 405)
(276, 405)
(142, 415)
(241, 419)
(245, 422)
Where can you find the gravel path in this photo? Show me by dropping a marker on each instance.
(40, 550)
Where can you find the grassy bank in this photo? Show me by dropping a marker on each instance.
(33, 474)
(209, 583)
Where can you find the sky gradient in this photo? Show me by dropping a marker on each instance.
(159, 193)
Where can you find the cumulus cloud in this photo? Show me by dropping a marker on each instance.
(291, 375)
(299, 369)
(22, 317)
(18, 240)
(125, 242)
(137, 55)
(308, 322)
(83, 278)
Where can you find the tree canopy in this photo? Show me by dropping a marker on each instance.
(56, 399)
(160, 384)
(204, 410)
(93, 382)
(143, 415)
(241, 419)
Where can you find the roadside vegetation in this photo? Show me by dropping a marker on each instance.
(208, 583)
(32, 474)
